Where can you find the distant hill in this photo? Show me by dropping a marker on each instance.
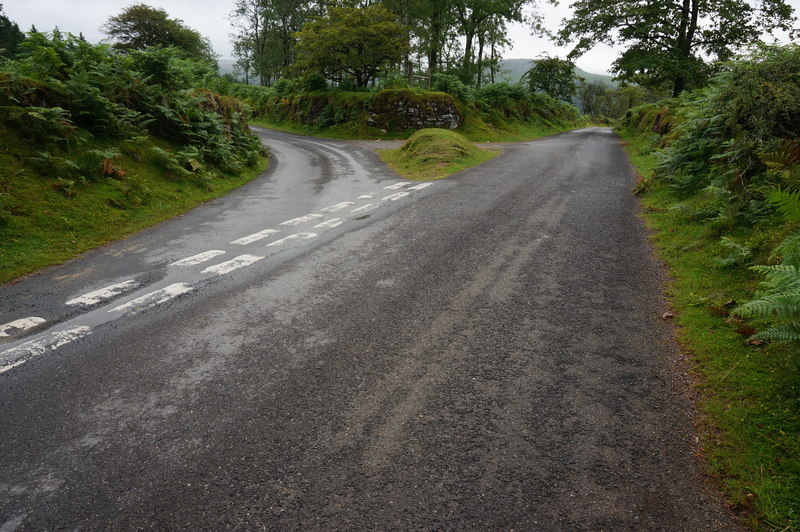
(225, 66)
(513, 70)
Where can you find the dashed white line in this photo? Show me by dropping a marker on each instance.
(16, 356)
(20, 325)
(95, 297)
(298, 236)
(7, 367)
(366, 196)
(396, 186)
(420, 186)
(154, 298)
(329, 224)
(199, 258)
(366, 208)
(234, 264)
(302, 219)
(396, 196)
(338, 206)
(255, 237)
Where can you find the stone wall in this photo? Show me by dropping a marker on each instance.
(405, 109)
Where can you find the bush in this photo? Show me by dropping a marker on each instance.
(499, 95)
(745, 114)
(62, 90)
(314, 83)
(453, 86)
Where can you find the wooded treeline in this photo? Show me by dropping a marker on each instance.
(462, 37)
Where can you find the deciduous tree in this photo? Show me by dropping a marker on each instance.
(140, 26)
(669, 42)
(351, 42)
(553, 76)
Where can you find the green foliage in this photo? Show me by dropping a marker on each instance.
(351, 42)
(140, 27)
(666, 42)
(452, 85)
(500, 95)
(737, 124)
(61, 94)
(552, 76)
(10, 36)
(435, 153)
(749, 387)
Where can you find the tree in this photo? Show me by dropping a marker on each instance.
(10, 36)
(668, 41)
(140, 26)
(593, 98)
(553, 76)
(264, 38)
(473, 18)
(351, 42)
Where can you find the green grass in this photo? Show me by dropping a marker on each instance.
(435, 153)
(473, 129)
(349, 130)
(750, 425)
(45, 220)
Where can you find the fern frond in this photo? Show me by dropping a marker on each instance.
(789, 332)
(787, 202)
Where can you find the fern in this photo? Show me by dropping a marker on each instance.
(787, 202)
(789, 332)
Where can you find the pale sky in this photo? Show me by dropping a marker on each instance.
(210, 18)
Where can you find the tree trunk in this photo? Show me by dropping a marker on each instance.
(481, 39)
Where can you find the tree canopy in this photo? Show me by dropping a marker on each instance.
(10, 36)
(140, 26)
(350, 42)
(553, 76)
(460, 37)
(670, 41)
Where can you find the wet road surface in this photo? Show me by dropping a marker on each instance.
(333, 347)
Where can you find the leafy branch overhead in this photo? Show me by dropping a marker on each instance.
(669, 42)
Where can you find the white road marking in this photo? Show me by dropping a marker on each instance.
(24, 352)
(366, 208)
(338, 206)
(95, 297)
(366, 196)
(298, 236)
(396, 186)
(199, 258)
(20, 325)
(330, 224)
(5, 368)
(396, 196)
(154, 298)
(302, 219)
(234, 264)
(255, 237)
(420, 186)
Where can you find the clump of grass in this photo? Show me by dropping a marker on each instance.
(435, 153)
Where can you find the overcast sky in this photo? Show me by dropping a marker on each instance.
(210, 18)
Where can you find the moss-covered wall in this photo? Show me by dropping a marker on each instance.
(390, 110)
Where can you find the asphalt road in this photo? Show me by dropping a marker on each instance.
(330, 348)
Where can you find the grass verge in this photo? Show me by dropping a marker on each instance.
(435, 153)
(473, 129)
(45, 220)
(749, 393)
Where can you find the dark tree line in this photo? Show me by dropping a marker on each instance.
(462, 37)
